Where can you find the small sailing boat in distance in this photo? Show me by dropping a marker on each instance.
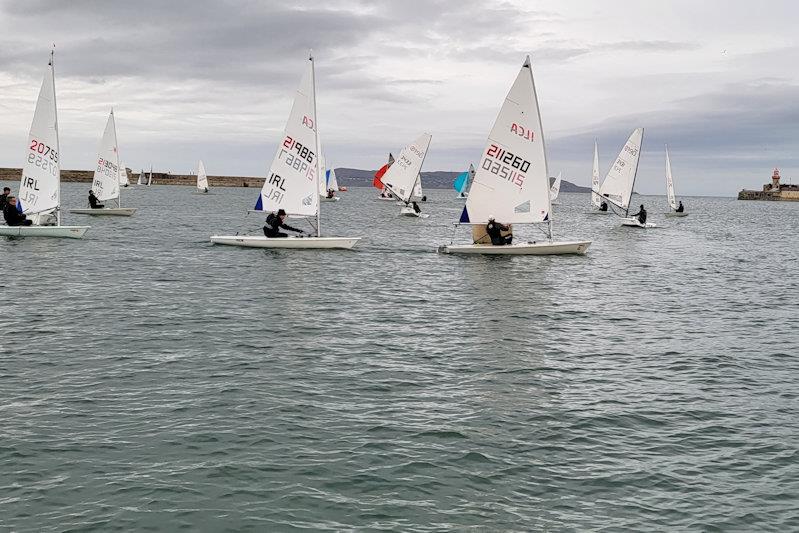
(511, 185)
(617, 189)
(294, 176)
(462, 181)
(600, 207)
(105, 183)
(377, 182)
(40, 185)
(676, 210)
(554, 191)
(140, 181)
(202, 178)
(403, 177)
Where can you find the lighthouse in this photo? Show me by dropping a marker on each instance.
(775, 180)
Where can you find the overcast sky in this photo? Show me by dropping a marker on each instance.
(717, 80)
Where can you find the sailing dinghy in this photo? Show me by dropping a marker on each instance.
(617, 189)
(150, 177)
(323, 185)
(462, 181)
(40, 186)
(512, 183)
(670, 191)
(140, 181)
(106, 175)
(123, 175)
(554, 191)
(403, 179)
(596, 200)
(293, 182)
(202, 178)
(377, 182)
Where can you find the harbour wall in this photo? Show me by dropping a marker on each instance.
(773, 196)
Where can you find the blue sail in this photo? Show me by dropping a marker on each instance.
(461, 181)
(464, 216)
(327, 179)
(259, 205)
(19, 205)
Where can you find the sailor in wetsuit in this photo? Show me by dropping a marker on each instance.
(604, 206)
(274, 222)
(416, 208)
(680, 208)
(641, 214)
(12, 215)
(494, 230)
(93, 202)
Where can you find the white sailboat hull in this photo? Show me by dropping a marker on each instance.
(326, 199)
(527, 248)
(463, 196)
(634, 223)
(408, 211)
(62, 232)
(308, 243)
(676, 214)
(106, 211)
(386, 199)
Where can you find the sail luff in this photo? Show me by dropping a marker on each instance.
(318, 154)
(57, 137)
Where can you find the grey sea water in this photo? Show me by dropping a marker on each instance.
(152, 381)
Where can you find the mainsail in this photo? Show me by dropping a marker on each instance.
(291, 183)
(619, 182)
(106, 171)
(40, 186)
(141, 177)
(202, 178)
(554, 191)
(417, 193)
(595, 198)
(330, 178)
(670, 182)
(402, 176)
(123, 175)
(461, 183)
(377, 182)
(511, 183)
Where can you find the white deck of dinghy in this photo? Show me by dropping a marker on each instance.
(106, 211)
(528, 248)
(62, 232)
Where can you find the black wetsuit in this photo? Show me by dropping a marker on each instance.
(93, 202)
(604, 206)
(641, 216)
(494, 230)
(3, 201)
(14, 217)
(416, 208)
(273, 225)
(680, 208)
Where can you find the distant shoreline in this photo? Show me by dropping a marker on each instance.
(348, 177)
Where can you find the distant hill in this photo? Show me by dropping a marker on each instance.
(353, 177)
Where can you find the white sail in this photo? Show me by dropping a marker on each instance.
(322, 182)
(417, 189)
(332, 182)
(202, 178)
(595, 198)
(619, 182)
(40, 186)
(402, 176)
(141, 178)
(670, 182)
(106, 171)
(150, 177)
(554, 191)
(511, 183)
(123, 175)
(293, 181)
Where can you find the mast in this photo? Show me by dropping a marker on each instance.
(318, 157)
(544, 146)
(635, 175)
(57, 140)
(116, 151)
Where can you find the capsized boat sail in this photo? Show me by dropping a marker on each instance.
(40, 185)
(462, 181)
(554, 191)
(511, 184)
(294, 177)
(402, 177)
(202, 178)
(620, 179)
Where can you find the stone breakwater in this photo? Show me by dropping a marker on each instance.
(159, 178)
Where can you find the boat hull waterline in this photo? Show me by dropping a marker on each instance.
(672, 214)
(526, 248)
(106, 211)
(61, 232)
(635, 223)
(310, 243)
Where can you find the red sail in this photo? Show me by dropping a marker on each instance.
(379, 174)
